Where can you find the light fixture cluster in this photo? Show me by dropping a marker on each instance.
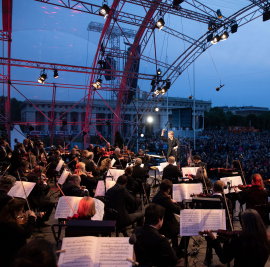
(105, 10)
(43, 76)
(98, 83)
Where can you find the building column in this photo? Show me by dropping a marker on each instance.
(46, 127)
(57, 126)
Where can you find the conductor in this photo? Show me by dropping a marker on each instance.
(173, 145)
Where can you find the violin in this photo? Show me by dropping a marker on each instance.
(244, 187)
(108, 154)
(221, 169)
(228, 234)
(24, 217)
(201, 195)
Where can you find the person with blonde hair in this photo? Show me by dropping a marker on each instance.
(86, 209)
(87, 178)
(105, 165)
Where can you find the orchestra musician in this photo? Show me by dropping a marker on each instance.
(198, 163)
(255, 196)
(13, 233)
(28, 145)
(6, 183)
(22, 171)
(120, 162)
(96, 154)
(105, 166)
(201, 177)
(16, 157)
(171, 226)
(72, 186)
(5, 151)
(90, 148)
(151, 248)
(108, 147)
(171, 171)
(173, 145)
(73, 158)
(145, 159)
(250, 248)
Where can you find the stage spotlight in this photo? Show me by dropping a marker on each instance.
(234, 27)
(43, 77)
(156, 109)
(158, 91)
(266, 15)
(104, 11)
(209, 37)
(142, 135)
(55, 74)
(210, 26)
(176, 3)
(159, 72)
(190, 97)
(150, 119)
(219, 14)
(102, 64)
(218, 88)
(97, 84)
(224, 36)
(216, 39)
(160, 23)
(163, 91)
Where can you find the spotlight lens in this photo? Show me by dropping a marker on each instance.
(157, 92)
(156, 109)
(103, 12)
(150, 119)
(163, 91)
(142, 135)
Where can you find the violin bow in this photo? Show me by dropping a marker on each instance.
(5, 170)
(230, 219)
(65, 198)
(242, 171)
(164, 156)
(24, 191)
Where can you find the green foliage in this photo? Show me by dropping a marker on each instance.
(15, 108)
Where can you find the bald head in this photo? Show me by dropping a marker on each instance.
(218, 186)
(171, 160)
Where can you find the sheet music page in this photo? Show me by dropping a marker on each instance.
(183, 191)
(100, 190)
(63, 210)
(213, 219)
(59, 165)
(115, 173)
(113, 161)
(113, 251)
(17, 189)
(99, 210)
(189, 170)
(234, 180)
(190, 222)
(63, 176)
(80, 251)
(131, 165)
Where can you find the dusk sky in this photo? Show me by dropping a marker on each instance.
(42, 32)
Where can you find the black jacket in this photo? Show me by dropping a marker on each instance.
(171, 226)
(152, 247)
(118, 196)
(171, 144)
(72, 190)
(171, 172)
(235, 251)
(140, 173)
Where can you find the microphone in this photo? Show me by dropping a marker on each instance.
(132, 239)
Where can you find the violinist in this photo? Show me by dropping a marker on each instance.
(105, 166)
(198, 163)
(72, 186)
(6, 183)
(28, 145)
(96, 154)
(255, 196)
(201, 177)
(13, 233)
(93, 167)
(5, 151)
(90, 148)
(52, 164)
(22, 171)
(73, 159)
(87, 179)
(145, 159)
(16, 157)
(38, 197)
(108, 147)
(250, 248)
(120, 163)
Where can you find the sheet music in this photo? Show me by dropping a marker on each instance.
(213, 219)
(183, 191)
(80, 251)
(194, 220)
(17, 189)
(115, 173)
(59, 165)
(90, 251)
(189, 170)
(131, 165)
(99, 210)
(100, 190)
(163, 165)
(113, 161)
(63, 177)
(113, 251)
(234, 180)
(190, 222)
(63, 210)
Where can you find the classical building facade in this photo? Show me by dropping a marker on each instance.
(178, 111)
(245, 110)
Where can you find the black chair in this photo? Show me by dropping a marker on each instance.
(112, 214)
(141, 188)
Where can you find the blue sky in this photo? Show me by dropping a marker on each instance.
(42, 32)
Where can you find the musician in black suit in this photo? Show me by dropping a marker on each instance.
(6, 183)
(173, 145)
(16, 157)
(152, 248)
(118, 197)
(85, 160)
(141, 174)
(4, 150)
(198, 163)
(72, 187)
(171, 226)
(171, 171)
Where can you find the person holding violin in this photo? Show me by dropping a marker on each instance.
(73, 159)
(96, 154)
(16, 157)
(255, 196)
(142, 156)
(4, 151)
(201, 177)
(105, 166)
(72, 187)
(93, 167)
(28, 145)
(251, 248)
(38, 197)
(90, 148)
(13, 233)
(198, 163)
(120, 161)
(22, 171)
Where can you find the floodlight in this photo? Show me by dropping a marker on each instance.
(159, 72)
(156, 109)
(190, 97)
(210, 26)
(43, 77)
(160, 23)
(104, 11)
(216, 39)
(142, 135)
(210, 37)
(224, 36)
(97, 84)
(266, 15)
(150, 119)
(219, 14)
(55, 74)
(234, 27)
